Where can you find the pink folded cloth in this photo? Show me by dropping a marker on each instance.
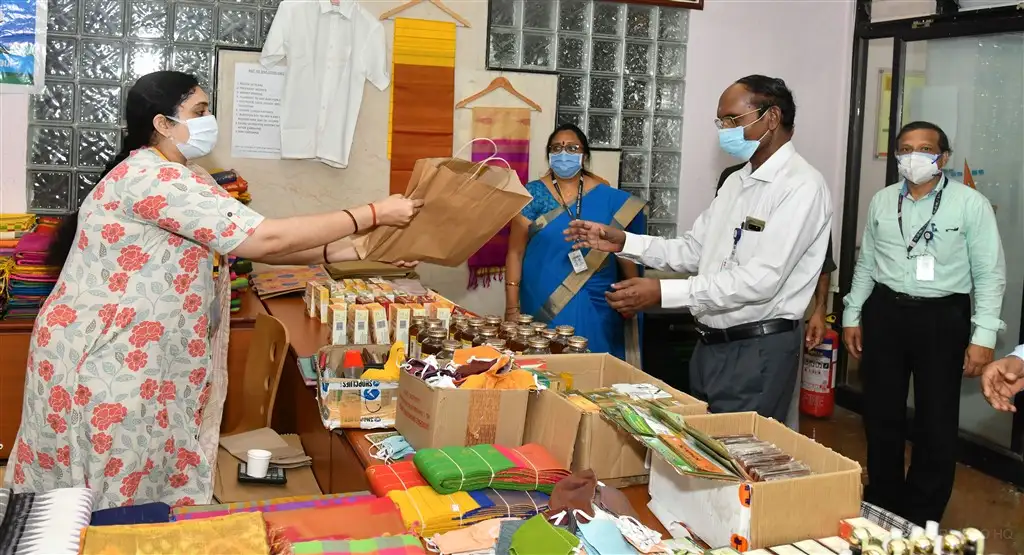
(35, 242)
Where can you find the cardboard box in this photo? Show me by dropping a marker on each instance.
(339, 323)
(379, 324)
(353, 403)
(400, 317)
(323, 296)
(580, 440)
(359, 324)
(760, 514)
(312, 302)
(435, 417)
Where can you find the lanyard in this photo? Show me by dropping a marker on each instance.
(935, 208)
(579, 199)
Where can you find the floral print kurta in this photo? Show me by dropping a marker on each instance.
(131, 346)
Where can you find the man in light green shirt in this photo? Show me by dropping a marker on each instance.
(929, 242)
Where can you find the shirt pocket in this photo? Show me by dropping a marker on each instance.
(950, 241)
(887, 231)
(748, 246)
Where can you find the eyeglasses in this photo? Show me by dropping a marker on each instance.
(571, 149)
(730, 122)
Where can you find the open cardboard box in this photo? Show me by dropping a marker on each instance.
(758, 515)
(586, 440)
(432, 417)
(353, 403)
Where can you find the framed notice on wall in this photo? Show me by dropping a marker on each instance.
(913, 82)
(690, 4)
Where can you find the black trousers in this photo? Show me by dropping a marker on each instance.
(925, 339)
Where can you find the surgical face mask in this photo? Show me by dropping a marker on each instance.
(202, 136)
(565, 164)
(602, 537)
(394, 448)
(918, 167)
(736, 144)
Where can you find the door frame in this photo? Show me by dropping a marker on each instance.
(948, 22)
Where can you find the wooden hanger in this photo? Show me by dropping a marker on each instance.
(440, 5)
(500, 83)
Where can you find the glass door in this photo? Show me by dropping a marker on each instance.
(973, 88)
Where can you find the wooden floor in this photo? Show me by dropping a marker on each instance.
(979, 501)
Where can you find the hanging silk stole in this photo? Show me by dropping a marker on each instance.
(422, 96)
(509, 128)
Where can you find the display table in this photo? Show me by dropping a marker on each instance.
(341, 458)
(14, 342)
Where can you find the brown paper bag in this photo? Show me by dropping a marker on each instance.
(465, 204)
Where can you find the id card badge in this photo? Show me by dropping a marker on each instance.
(926, 268)
(579, 264)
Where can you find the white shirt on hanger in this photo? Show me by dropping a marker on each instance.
(774, 272)
(331, 48)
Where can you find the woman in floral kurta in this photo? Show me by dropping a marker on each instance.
(127, 366)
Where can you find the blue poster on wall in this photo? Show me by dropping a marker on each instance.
(22, 45)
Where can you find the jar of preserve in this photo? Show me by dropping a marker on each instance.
(431, 323)
(576, 345)
(433, 343)
(470, 332)
(548, 333)
(497, 343)
(448, 348)
(457, 321)
(484, 335)
(520, 342)
(524, 320)
(493, 321)
(538, 326)
(538, 346)
(417, 325)
(561, 340)
(508, 329)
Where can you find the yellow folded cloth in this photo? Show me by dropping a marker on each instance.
(426, 512)
(237, 534)
(17, 222)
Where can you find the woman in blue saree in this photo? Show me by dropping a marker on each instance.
(540, 275)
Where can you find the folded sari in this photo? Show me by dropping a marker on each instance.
(355, 521)
(399, 476)
(147, 513)
(50, 522)
(241, 534)
(427, 512)
(508, 504)
(393, 545)
(525, 468)
(269, 505)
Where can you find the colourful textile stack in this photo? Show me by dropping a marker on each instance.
(526, 468)
(233, 184)
(242, 533)
(12, 228)
(428, 512)
(238, 188)
(31, 280)
(269, 505)
(393, 545)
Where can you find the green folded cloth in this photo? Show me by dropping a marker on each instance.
(239, 283)
(537, 536)
(241, 266)
(452, 469)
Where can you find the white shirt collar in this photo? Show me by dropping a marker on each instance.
(774, 163)
(344, 7)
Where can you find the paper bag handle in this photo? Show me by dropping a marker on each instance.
(493, 144)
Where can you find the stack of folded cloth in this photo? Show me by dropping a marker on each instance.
(31, 280)
(12, 228)
(240, 270)
(526, 468)
(233, 184)
(47, 522)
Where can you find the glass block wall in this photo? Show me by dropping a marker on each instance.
(621, 69)
(95, 50)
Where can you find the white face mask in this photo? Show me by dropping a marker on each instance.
(202, 136)
(918, 167)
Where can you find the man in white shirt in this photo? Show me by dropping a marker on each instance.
(757, 252)
(1003, 379)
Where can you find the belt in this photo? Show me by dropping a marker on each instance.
(714, 336)
(912, 300)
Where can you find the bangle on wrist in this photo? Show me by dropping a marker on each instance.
(355, 223)
(373, 210)
(511, 284)
(328, 262)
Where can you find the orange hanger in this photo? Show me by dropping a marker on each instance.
(499, 83)
(440, 5)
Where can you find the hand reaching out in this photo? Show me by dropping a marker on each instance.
(1001, 381)
(975, 359)
(397, 211)
(591, 235)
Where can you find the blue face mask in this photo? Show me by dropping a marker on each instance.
(394, 448)
(565, 164)
(736, 144)
(602, 537)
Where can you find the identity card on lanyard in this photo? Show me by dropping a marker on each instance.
(579, 263)
(925, 262)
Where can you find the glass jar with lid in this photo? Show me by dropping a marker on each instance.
(524, 319)
(448, 348)
(433, 343)
(497, 343)
(548, 333)
(507, 331)
(470, 332)
(430, 324)
(538, 326)
(484, 334)
(561, 339)
(521, 341)
(418, 324)
(538, 346)
(493, 321)
(457, 321)
(576, 345)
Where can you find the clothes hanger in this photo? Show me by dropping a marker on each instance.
(496, 84)
(440, 5)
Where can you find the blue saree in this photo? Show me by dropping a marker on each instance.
(551, 291)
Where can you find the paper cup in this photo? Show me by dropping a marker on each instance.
(257, 462)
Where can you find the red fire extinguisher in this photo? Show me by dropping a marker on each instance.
(818, 380)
